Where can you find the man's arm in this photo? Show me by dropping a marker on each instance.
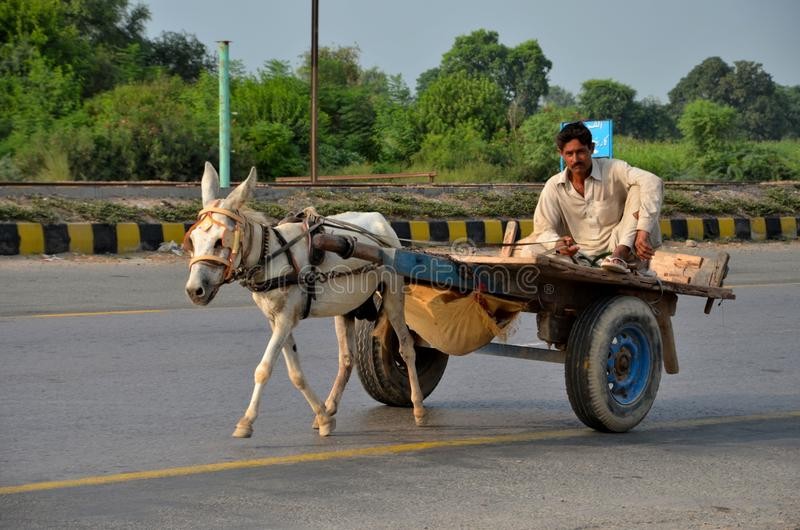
(547, 222)
(651, 197)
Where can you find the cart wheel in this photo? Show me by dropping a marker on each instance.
(613, 364)
(383, 372)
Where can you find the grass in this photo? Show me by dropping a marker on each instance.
(668, 160)
(773, 201)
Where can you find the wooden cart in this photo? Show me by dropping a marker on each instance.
(613, 332)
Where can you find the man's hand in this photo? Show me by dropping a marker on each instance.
(566, 246)
(644, 250)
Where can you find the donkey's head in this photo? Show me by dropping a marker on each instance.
(215, 241)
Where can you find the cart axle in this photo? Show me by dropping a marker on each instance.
(523, 352)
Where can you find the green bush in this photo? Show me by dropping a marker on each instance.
(747, 162)
(146, 131)
(707, 126)
(459, 101)
(452, 149)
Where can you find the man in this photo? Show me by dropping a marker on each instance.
(599, 206)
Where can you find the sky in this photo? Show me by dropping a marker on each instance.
(648, 45)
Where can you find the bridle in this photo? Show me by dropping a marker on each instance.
(254, 277)
(231, 239)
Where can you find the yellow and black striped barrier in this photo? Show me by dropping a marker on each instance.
(95, 238)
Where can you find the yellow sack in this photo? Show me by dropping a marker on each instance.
(456, 323)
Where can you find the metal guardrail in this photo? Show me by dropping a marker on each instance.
(430, 175)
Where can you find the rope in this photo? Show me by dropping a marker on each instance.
(344, 225)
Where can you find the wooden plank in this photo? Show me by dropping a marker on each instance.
(708, 270)
(566, 270)
(512, 231)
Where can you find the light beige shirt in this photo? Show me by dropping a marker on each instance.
(591, 218)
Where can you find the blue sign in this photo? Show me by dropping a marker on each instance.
(602, 136)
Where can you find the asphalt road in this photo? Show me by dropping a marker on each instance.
(119, 397)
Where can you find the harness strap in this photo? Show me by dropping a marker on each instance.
(227, 213)
(306, 286)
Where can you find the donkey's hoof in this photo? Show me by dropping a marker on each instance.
(326, 428)
(243, 431)
(422, 419)
(331, 411)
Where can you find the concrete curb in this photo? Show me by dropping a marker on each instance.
(94, 238)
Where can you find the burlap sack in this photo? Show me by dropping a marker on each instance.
(456, 323)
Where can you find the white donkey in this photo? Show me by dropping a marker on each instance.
(231, 243)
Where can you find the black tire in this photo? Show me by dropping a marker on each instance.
(383, 372)
(613, 365)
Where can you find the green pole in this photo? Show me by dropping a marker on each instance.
(314, 87)
(224, 116)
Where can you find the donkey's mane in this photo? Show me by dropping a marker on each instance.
(260, 218)
(253, 216)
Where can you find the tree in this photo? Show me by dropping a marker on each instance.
(559, 97)
(34, 100)
(704, 81)
(538, 132)
(751, 91)
(520, 72)
(461, 100)
(526, 75)
(337, 66)
(650, 120)
(347, 100)
(605, 99)
(395, 131)
(790, 95)
(746, 87)
(479, 54)
(179, 54)
(426, 78)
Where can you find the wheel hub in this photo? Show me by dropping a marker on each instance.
(622, 364)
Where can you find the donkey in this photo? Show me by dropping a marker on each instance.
(229, 242)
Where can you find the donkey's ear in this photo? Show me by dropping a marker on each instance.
(209, 184)
(243, 191)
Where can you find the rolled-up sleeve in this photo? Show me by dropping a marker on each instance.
(651, 195)
(547, 216)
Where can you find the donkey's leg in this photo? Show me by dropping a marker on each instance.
(324, 420)
(393, 304)
(346, 335)
(281, 330)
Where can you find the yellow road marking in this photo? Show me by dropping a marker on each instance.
(126, 312)
(743, 285)
(383, 450)
(94, 313)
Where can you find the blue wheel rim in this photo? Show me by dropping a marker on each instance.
(628, 366)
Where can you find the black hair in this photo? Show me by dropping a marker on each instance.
(574, 131)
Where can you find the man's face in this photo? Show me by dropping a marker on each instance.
(577, 157)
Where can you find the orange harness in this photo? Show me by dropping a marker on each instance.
(231, 239)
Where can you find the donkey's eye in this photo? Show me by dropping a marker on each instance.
(218, 244)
